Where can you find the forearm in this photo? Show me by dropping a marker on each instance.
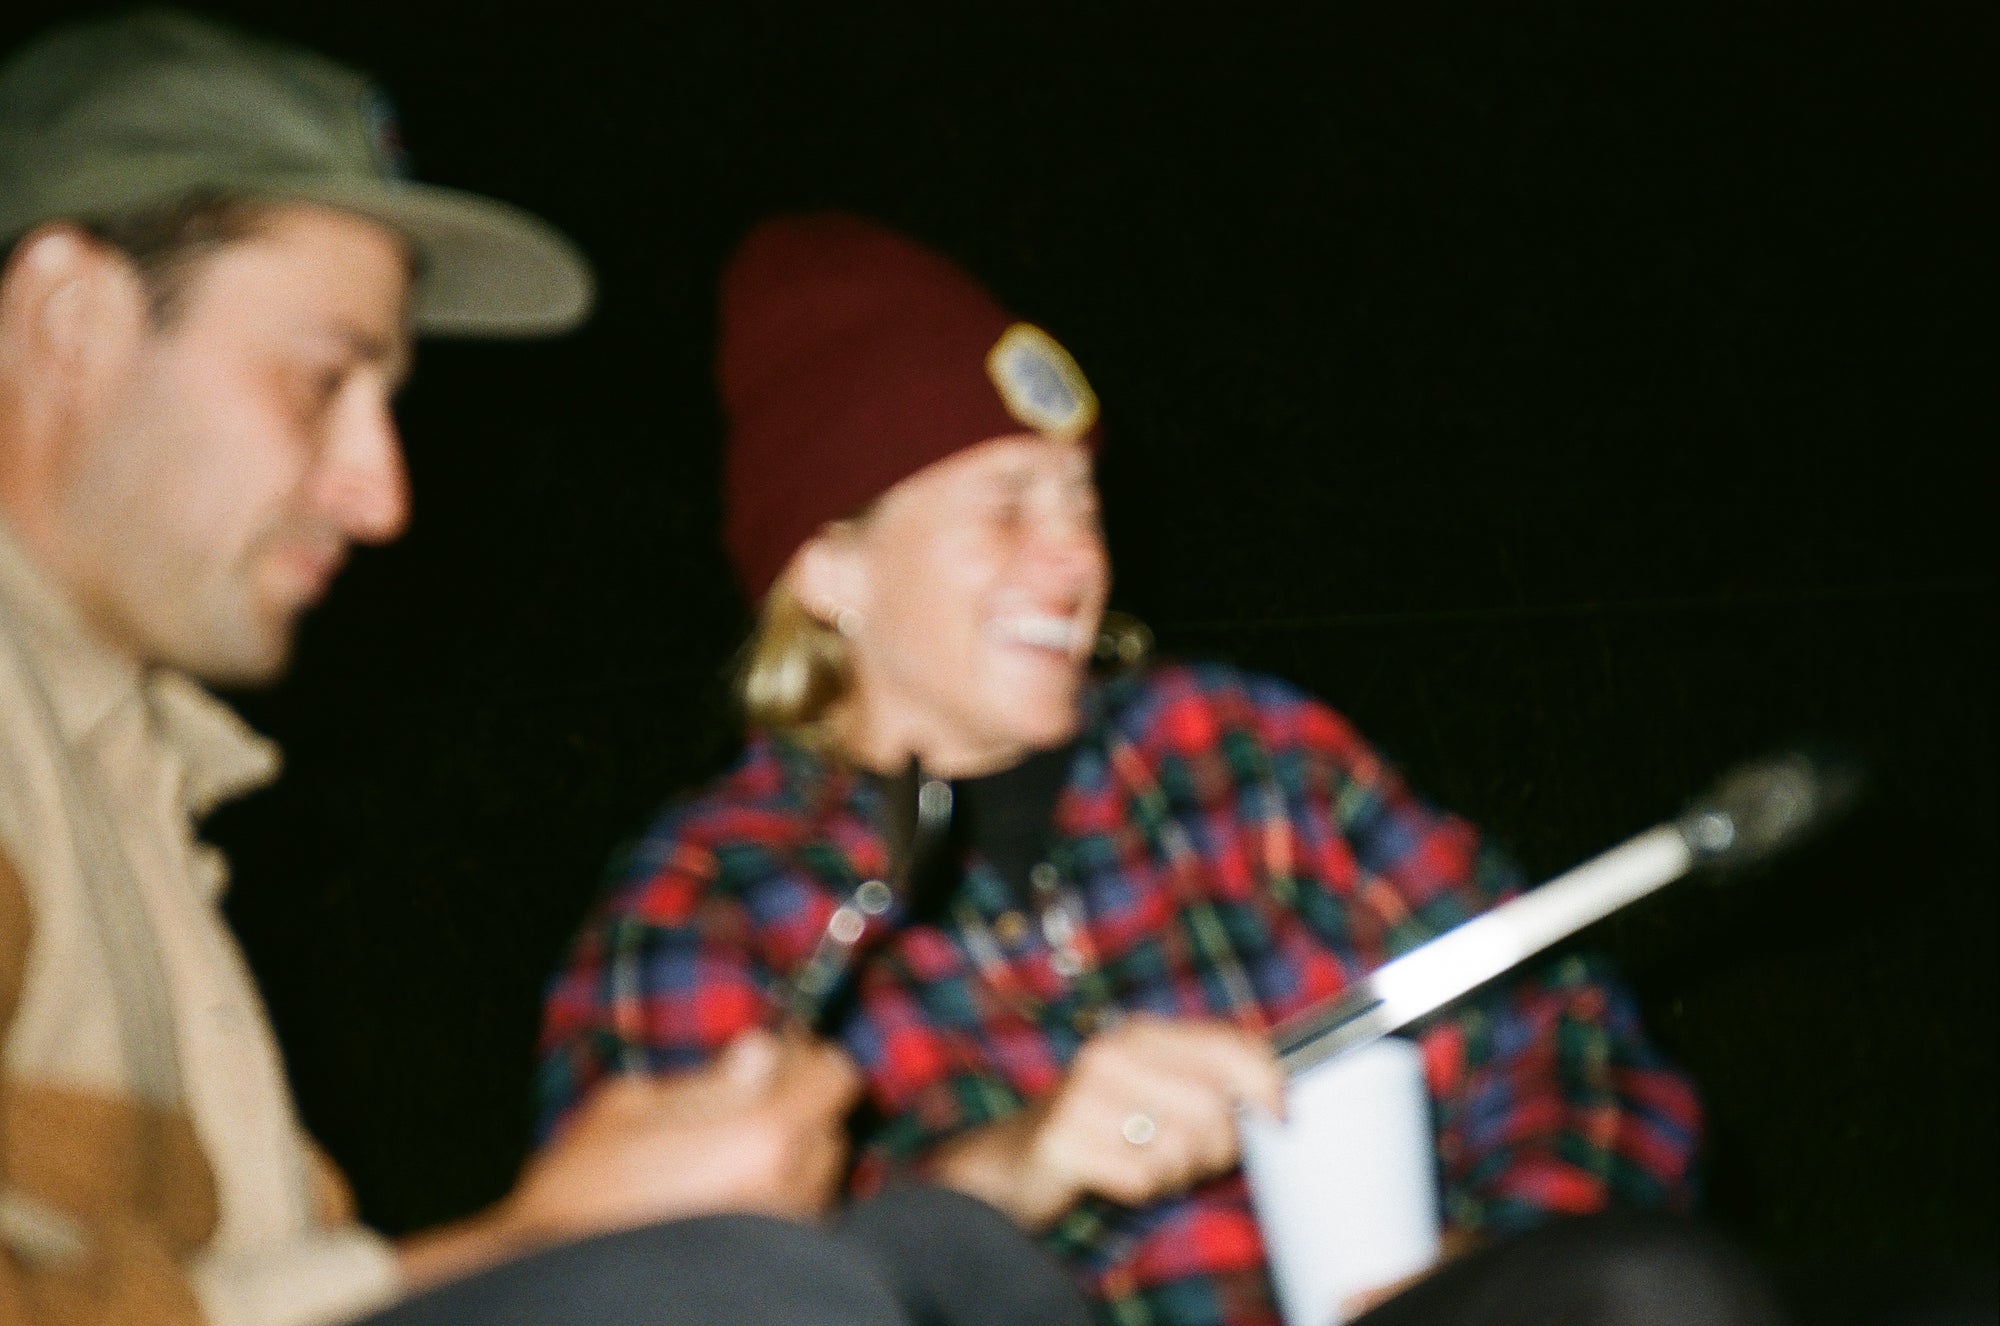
(461, 1248)
(990, 1163)
(328, 1275)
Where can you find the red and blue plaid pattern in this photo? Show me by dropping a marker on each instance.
(1313, 865)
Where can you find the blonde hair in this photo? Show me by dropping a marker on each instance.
(795, 668)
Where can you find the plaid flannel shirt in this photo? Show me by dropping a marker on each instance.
(1314, 866)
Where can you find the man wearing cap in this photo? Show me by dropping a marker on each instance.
(1149, 871)
(213, 267)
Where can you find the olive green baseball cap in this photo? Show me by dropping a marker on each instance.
(106, 118)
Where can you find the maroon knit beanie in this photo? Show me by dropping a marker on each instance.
(851, 357)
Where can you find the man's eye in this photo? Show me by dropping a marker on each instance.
(317, 389)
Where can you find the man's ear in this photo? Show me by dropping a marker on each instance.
(70, 306)
(829, 573)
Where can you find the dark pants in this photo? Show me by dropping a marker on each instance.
(1611, 1270)
(913, 1256)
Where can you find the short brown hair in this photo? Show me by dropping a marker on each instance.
(168, 243)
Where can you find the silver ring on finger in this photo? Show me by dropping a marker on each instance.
(1138, 1128)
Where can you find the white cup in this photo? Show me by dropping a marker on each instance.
(1345, 1188)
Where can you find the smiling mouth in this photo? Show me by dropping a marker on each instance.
(1056, 633)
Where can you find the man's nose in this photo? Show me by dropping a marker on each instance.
(364, 484)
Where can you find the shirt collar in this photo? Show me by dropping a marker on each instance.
(87, 682)
(804, 778)
(224, 758)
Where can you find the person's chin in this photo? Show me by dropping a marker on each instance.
(243, 666)
(1047, 721)
(256, 648)
(1051, 736)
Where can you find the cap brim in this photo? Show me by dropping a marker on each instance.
(485, 268)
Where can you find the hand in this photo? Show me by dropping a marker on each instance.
(1146, 1110)
(758, 1129)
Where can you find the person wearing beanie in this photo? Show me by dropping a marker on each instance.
(1059, 1003)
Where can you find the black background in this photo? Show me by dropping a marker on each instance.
(1580, 400)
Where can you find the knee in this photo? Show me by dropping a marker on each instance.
(744, 1269)
(951, 1258)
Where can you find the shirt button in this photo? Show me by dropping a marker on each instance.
(873, 897)
(1011, 928)
(847, 924)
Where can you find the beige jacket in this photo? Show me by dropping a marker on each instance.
(152, 1166)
